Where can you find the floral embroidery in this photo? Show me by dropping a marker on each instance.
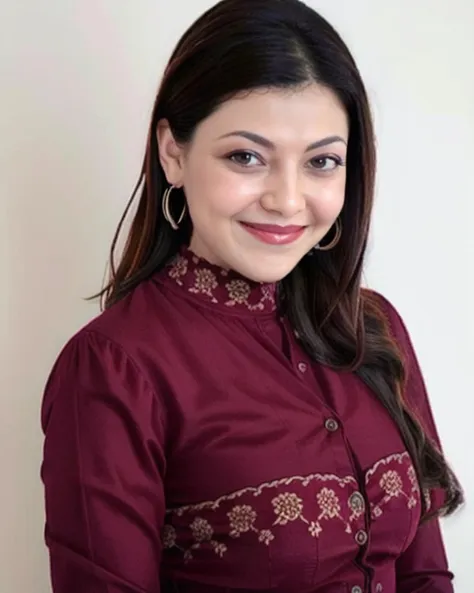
(202, 533)
(287, 507)
(219, 549)
(239, 291)
(268, 292)
(395, 458)
(169, 536)
(205, 283)
(315, 529)
(179, 269)
(221, 286)
(257, 491)
(266, 536)
(412, 477)
(201, 529)
(391, 483)
(336, 500)
(241, 519)
(328, 503)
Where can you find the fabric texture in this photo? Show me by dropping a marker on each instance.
(192, 446)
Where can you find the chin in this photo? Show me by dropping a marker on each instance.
(267, 274)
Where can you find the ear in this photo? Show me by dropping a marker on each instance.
(170, 154)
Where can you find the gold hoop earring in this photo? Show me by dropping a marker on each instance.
(165, 205)
(336, 238)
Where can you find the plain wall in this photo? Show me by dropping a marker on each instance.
(77, 81)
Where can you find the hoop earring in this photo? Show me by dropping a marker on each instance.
(335, 240)
(165, 206)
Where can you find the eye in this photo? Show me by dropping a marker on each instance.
(326, 163)
(244, 158)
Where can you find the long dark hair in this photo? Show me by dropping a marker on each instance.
(240, 45)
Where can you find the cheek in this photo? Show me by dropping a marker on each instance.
(214, 189)
(327, 200)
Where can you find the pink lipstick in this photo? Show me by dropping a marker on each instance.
(273, 234)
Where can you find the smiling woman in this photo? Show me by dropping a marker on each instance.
(265, 168)
(243, 416)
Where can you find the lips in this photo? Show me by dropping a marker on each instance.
(274, 228)
(274, 234)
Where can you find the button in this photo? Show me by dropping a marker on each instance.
(361, 537)
(357, 503)
(331, 425)
(302, 367)
(356, 590)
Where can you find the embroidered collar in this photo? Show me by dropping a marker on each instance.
(224, 288)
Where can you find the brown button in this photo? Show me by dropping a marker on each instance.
(361, 537)
(331, 425)
(302, 367)
(357, 503)
(356, 590)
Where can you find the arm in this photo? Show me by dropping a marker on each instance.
(423, 567)
(102, 471)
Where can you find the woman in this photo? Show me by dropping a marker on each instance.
(243, 416)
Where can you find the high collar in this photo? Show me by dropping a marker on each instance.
(219, 287)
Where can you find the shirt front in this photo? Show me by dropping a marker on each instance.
(193, 446)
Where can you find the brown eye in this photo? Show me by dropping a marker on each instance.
(326, 163)
(244, 158)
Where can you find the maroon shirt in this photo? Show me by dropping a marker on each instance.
(192, 446)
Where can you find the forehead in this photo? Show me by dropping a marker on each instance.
(305, 113)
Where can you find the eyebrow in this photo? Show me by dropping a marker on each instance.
(257, 139)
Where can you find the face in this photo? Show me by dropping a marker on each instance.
(264, 178)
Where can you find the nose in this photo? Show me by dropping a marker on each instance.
(284, 195)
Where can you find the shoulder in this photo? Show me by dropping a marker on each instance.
(110, 357)
(131, 318)
(140, 327)
(382, 303)
(121, 343)
(415, 393)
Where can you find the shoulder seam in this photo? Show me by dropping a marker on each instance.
(133, 362)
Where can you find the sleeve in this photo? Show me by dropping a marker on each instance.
(102, 472)
(423, 567)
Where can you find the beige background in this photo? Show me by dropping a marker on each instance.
(77, 81)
